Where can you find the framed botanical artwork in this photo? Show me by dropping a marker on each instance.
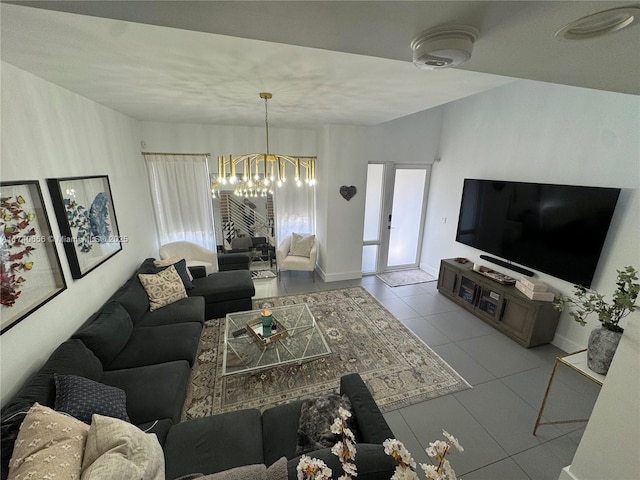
(87, 221)
(30, 270)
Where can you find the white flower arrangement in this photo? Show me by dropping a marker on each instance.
(313, 469)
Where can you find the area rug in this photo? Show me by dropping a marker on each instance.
(262, 274)
(364, 337)
(406, 277)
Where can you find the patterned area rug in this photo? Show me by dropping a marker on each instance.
(364, 337)
(406, 277)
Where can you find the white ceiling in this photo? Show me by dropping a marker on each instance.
(325, 62)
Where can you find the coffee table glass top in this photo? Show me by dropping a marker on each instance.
(304, 340)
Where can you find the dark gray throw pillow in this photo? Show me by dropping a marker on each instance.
(81, 398)
(181, 268)
(316, 417)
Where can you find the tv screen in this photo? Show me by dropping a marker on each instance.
(555, 229)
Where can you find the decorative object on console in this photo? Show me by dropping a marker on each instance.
(348, 192)
(535, 290)
(87, 221)
(603, 341)
(261, 170)
(30, 270)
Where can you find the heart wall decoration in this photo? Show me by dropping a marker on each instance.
(348, 192)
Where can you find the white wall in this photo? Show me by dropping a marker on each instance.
(538, 132)
(609, 444)
(50, 132)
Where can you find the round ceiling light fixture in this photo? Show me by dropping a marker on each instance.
(599, 24)
(443, 47)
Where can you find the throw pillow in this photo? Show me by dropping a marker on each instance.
(9, 428)
(316, 417)
(163, 288)
(81, 398)
(49, 445)
(301, 245)
(117, 449)
(181, 268)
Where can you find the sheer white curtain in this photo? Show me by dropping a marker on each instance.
(295, 209)
(182, 198)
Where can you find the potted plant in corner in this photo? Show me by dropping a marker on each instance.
(604, 340)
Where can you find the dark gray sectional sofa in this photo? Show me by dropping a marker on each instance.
(149, 356)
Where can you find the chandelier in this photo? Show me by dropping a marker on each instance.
(254, 174)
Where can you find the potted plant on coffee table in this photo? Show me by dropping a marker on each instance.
(604, 340)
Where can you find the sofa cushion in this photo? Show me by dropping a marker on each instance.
(81, 398)
(153, 345)
(317, 414)
(277, 471)
(160, 428)
(109, 332)
(301, 245)
(133, 297)
(280, 431)
(163, 288)
(117, 449)
(70, 358)
(224, 286)
(153, 392)
(213, 444)
(189, 309)
(46, 434)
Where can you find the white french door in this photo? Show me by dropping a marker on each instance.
(394, 216)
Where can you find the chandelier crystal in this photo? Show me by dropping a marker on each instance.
(254, 174)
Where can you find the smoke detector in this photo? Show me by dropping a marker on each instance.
(443, 47)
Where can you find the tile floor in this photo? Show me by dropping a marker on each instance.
(494, 420)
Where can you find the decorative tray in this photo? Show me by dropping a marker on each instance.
(497, 276)
(278, 331)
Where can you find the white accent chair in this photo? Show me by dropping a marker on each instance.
(195, 255)
(285, 261)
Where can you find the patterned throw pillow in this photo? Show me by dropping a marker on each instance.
(116, 449)
(81, 398)
(301, 245)
(49, 445)
(316, 417)
(163, 288)
(181, 268)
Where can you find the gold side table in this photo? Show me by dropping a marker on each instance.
(578, 362)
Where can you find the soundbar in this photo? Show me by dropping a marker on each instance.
(508, 265)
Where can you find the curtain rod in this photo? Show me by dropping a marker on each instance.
(177, 154)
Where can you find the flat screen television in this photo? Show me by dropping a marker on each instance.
(556, 229)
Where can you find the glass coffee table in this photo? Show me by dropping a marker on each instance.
(296, 339)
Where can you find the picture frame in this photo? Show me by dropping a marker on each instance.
(87, 220)
(31, 272)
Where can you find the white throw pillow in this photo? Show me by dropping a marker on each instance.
(118, 450)
(301, 245)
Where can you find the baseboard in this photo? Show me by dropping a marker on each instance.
(565, 474)
(337, 277)
(565, 344)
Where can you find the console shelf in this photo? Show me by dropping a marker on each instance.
(528, 322)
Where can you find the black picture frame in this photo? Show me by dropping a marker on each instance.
(87, 220)
(31, 272)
